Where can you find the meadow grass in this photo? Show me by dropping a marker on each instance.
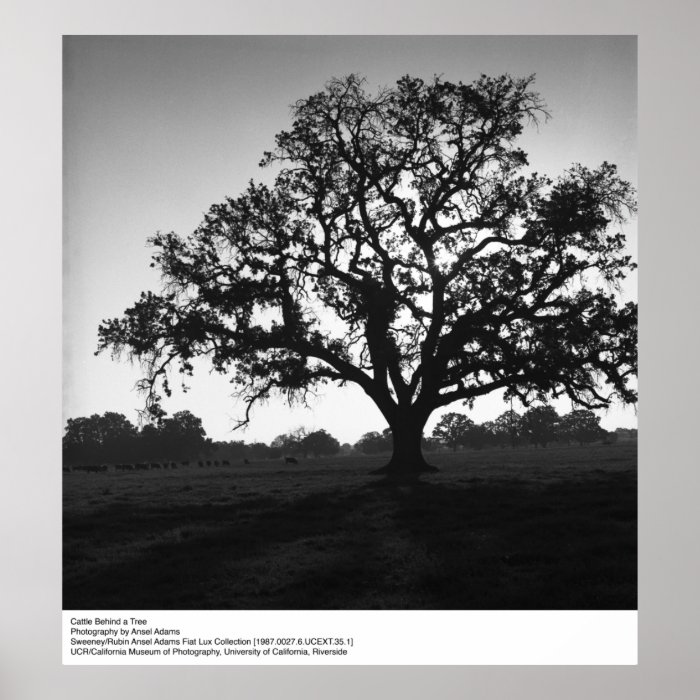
(520, 528)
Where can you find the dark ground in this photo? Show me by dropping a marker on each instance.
(527, 528)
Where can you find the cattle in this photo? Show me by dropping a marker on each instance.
(155, 465)
(66, 469)
(200, 463)
(185, 464)
(95, 468)
(141, 467)
(245, 461)
(290, 460)
(226, 463)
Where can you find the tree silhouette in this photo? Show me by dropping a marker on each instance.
(452, 429)
(403, 247)
(540, 424)
(581, 425)
(374, 442)
(109, 437)
(183, 435)
(506, 428)
(319, 443)
(290, 443)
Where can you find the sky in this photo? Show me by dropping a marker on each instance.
(157, 129)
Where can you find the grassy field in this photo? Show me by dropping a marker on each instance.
(527, 528)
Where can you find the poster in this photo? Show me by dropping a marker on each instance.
(385, 385)
(32, 514)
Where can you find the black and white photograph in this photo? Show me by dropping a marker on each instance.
(349, 323)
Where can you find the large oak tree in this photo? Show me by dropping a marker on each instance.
(404, 246)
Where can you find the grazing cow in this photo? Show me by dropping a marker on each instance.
(141, 466)
(209, 463)
(200, 463)
(245, 461)
(225, 463)
(66, 469)
(155, 465)
(216, 462)
(96, 468)
(185, 464)
(290, 460)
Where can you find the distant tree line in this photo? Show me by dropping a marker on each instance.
(539, 426)
(112, 438)
(297, 443)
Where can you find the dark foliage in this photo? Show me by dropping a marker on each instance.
(540, 425)
(99, 438)
(582, 426)
(112, 438)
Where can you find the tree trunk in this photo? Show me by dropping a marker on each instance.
(407, 460)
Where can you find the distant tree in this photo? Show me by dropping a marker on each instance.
(367, 444)
(236, 449)
(507, 428)
(626, 433)
(540, 424)
(408, 217)
(183, 435)
(480, 436)
(287, 443)
(106, 438)
(452, 429)
(118, 436)
(228, 450)
(581, 426)
(150, 442)
(81, 441)
(259, 450)
(320, 443)
(374, 442)
(608, 437)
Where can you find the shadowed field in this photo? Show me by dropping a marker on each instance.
(527, 528)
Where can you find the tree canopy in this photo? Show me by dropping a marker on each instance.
(540, 424)
(96, 437)
(320, 443)
(404, 246)
(453, 429)
(112, 438)
(581, 425)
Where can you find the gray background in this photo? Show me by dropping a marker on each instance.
(30, 425)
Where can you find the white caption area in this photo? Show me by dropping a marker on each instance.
(349, 637)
